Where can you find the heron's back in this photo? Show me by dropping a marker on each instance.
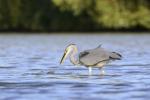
(93, 56)
(96, 56)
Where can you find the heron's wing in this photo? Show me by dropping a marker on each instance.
(93, 56)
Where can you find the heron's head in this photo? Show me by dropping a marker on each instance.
(69, 49)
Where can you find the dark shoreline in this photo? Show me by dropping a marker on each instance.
(77, 31)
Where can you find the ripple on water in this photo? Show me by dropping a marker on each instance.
(29, 68)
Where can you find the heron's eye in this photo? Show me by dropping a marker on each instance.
(65, 51)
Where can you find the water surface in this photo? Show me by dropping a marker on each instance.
(30, 70)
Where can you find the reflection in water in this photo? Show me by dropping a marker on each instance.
(29, 68)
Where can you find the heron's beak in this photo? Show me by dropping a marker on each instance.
(63, 57)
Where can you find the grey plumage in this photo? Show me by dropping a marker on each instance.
(97, 57)
(115, 56)
(94, 56)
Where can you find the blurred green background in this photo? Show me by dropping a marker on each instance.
(74, 15)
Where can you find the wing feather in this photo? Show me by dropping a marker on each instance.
(93, 56)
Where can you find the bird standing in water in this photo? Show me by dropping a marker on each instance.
(97, 57)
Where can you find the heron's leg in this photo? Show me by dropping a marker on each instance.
(90, 70)
(102, 72)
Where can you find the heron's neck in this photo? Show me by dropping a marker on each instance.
(74, 58)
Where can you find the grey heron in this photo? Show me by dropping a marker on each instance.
(97, 57)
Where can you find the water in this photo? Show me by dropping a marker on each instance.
(30, 70)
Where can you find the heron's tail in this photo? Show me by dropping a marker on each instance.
(115, 56)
